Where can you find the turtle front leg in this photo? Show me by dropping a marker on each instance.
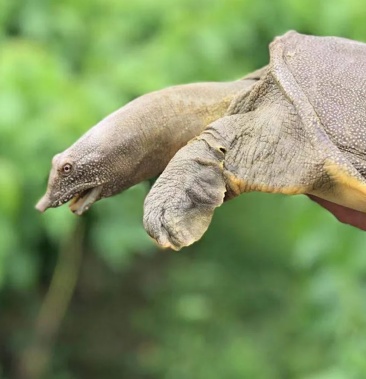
(179, 207)
(254, 151)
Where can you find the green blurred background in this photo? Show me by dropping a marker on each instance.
(276, 289)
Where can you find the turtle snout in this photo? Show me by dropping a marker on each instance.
(44, 203)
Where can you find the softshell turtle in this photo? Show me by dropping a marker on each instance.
(297, 126)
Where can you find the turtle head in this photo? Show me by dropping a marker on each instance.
(94, 167)
(77, 177)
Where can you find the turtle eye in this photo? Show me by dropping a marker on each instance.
(66, 168)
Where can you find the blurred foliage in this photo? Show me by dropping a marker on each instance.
(277, 287)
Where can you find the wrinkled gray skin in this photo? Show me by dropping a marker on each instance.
(296, 126)
(136, 142)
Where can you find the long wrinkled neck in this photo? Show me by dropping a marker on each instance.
(139, 139)
(166, 120)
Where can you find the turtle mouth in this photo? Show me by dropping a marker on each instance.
(82, 201)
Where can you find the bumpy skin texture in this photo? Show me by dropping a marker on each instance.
(300, 130)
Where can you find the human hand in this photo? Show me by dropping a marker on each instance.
(343, 214)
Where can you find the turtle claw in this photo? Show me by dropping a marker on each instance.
(180, 205)
(171, 232)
